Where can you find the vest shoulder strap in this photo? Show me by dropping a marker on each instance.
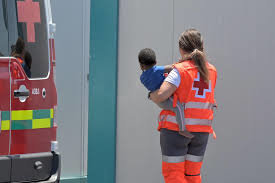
(185, 65)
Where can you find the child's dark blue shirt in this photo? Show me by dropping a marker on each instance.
(153, 78)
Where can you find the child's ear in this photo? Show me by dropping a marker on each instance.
(142, 67)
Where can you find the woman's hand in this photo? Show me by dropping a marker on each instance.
(168, 68)
(166, 90)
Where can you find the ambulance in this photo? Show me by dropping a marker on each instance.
(28, 97)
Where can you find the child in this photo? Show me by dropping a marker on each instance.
(152, 77)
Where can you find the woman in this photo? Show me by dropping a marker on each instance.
(18, 50)
(192, 81)
(23, 56)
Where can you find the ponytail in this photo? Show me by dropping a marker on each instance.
(191, 43)
(200, 61)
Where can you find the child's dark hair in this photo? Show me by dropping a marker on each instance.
(147, 57)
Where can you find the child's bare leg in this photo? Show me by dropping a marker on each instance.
(179, 111)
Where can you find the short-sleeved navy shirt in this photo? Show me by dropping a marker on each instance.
(153, 78)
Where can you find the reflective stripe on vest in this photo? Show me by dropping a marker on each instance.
(192, 121)
(168, 118)
(199, 105)
(179, 159)
(188, 121)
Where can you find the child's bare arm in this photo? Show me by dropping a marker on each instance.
(168, 68)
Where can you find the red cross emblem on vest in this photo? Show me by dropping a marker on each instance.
(201, 87)
(29, 13)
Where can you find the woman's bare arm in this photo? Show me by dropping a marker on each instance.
(165, 91)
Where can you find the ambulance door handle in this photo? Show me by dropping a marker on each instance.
(21, 94)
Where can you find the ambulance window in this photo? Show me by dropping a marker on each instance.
(32, 28)
(4, 36)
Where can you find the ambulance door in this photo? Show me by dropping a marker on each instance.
(5, 100)
(33, 96)
(5, 123)
(5, 96)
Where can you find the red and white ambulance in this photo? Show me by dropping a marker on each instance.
(27, 102)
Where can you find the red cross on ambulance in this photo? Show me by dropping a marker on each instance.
(201, 87)
(29, 13)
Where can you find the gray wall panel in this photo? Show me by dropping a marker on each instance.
(142, 24)
(72, 59)
(239, 41)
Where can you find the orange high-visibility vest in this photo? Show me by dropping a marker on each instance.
(20, 60)
(196, 95)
